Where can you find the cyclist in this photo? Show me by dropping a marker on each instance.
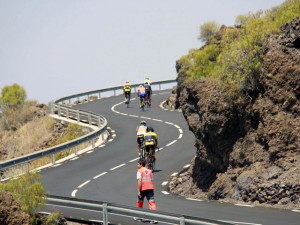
(148, 92)
(127, 90)
(151, 142)
(140, 131)
(147, 80)
(141, 93)
(145, 186)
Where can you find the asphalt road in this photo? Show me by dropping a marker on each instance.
(109, 172)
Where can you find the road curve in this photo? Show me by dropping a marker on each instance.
(109, 172)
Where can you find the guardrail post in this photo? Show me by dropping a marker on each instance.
(67, 114)
(76, 150)
(78, 118)
(159, 86)
(99, 122)
(90, 119)
(115, 92)
(78, 99)
(99, 94)
(182, 222)
(104, 210)
(53, 158)
(88, 98)
(51, 107)
(93, 142)
(69, 101)
(59, 110)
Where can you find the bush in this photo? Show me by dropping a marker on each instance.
(28, 191)
(208, 29)
(236, 59)
(12, 96)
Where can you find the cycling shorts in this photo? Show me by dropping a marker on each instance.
(140, 139)
(142, 95)
(127, 93)
(148, 147)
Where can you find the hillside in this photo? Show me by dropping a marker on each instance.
(247, 150)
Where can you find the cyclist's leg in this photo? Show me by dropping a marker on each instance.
(150, 198)
(139, 146)
(147, 154)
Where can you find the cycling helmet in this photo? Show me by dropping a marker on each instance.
(143, 123)
(150, 129)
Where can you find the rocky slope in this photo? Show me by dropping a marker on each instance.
(247, 152)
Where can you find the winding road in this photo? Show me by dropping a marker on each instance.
(108, 173)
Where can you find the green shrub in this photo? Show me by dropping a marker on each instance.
(73, 131)
(28, 191)
(208, 29)
(12, 96)
(236, 60)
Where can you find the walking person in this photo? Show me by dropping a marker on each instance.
(145, 186)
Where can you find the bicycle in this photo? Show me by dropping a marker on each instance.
(151, 162)
(143, 104)
(127, 96)
(148, 101)
(142, 156)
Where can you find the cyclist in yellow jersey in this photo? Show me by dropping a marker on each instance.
(140, 131)
(127, 90)
(151, 142)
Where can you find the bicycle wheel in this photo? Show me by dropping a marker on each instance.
(150, 161)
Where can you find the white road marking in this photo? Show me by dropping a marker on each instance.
(244, 205)
(186, 166)
(124, 114)
(75, 158)
(101, 146)
(110, 140)
(180, 131)
(133, 115)
(81, 185)
(89, 151)
(154, 94)
(174, 174)
(164, 183)
(193, 199)
(162, 93)
(236, 222)
(118, 166)
(101, 174)
(114, 135)
(157, 120)
(169, 123)
(177, 126)
(134, 159)
(147, 118)
(74, 193)
(180, 136)
(160, 149)
(171, 143)
(165, 192)
(296, 210)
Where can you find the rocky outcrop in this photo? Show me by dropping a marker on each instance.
(247, 152)
(10, 211)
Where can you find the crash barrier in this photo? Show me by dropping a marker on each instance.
(110, 208)
(62, 107)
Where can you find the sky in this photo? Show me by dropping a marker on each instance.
(55, 48)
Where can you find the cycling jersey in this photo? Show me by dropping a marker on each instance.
(141, 92)
(141, 130)
(127, 87)
(150, 138)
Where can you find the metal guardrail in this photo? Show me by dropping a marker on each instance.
(111, 208)
(63, 109)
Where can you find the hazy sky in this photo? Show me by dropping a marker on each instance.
(55, 48)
